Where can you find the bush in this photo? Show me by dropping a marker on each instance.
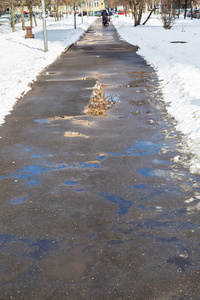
(168, 18)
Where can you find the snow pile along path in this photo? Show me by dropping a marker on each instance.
(23, 59)
(174, 54)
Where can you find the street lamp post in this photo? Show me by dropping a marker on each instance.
(44, 27)
(74, 15)
(87, 9)
(81, 11)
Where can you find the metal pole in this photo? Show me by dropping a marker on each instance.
(81, 12)
(74, 15)
(44, 27)
(87, 10)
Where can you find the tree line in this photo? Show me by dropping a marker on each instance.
(168, 9)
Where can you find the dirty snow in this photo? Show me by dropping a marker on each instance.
(178, 69)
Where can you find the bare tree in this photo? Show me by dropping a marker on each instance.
(137, 7)
(149, 16)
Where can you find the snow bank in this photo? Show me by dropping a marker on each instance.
(178, 69)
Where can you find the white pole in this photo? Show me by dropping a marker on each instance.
(81, 12)
(87, 10)
(44, 27)
(74, 15)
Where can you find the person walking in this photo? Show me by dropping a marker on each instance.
(104, 17)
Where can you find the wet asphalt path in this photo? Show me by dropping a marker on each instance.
(92, 205)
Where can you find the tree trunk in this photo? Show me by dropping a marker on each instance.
(136, 21)
(185, 9)
(22, 15)
(56, 14)
(140, 13)
(179, 6)
(137, 13)
(149, 16)
(31, 15)
(12, 16)
(34, 19)
(191, 6)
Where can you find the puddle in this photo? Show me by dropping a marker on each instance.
(19, 200)
(181, 262)
(99, 102)
(74, 119)
(71, 183)
(154, 173)
(37, 155)
(61, 118)
(75, 134)
(141, 206)
(43, 121)
(102, 156)
(31, 172)
(162, 162)
(33, 182)
(124, 205)
(80, 190)
(27, 173)
(151, 223)
(140, 148)
(42, 247)
(136, 85)
(89, 164)
(141, 186)
(83, 122)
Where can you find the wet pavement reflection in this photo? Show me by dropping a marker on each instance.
(96, 198)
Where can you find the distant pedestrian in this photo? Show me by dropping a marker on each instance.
(104, 17)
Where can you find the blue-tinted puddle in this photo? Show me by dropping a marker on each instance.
(123, 204)
(27, 173)
(19, 200)
(141, 186)
(32, 182)
(161, 162)
(140, 148)
(41, 247)
(154, 173)
(181, 262)
(87, 165)
(101, 157)
(30, 172)
(43, 121)
(141, 206)
(71, 183)
(37, 155)
(80, 190)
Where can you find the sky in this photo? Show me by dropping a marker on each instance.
(177, 65)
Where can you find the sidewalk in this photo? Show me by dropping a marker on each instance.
(92, 205)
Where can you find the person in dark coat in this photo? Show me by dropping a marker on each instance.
(104, 17)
